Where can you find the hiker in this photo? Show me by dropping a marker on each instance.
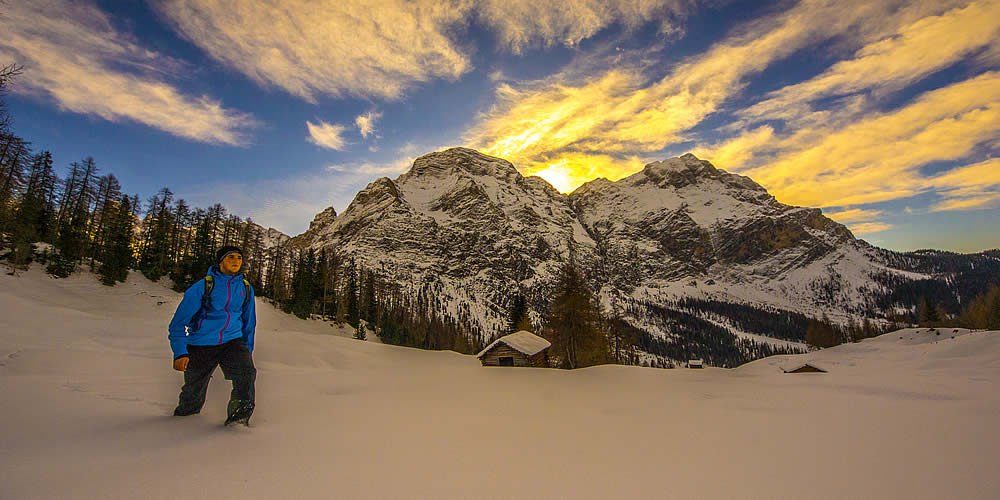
(214, 326)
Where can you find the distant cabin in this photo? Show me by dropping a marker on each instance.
(806, 368)
(517, 349)
(696, 364)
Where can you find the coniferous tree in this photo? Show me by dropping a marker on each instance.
(368, 304)
(14, 160)
(322, 281)
(927, 313)
(73, 218)
(821, 333)
(517, 313)
(352, 312)
(574, 321)
(983, 312)
(155, 261)
(302, 284)
(117, 251)
(108, 196)
(195, 265)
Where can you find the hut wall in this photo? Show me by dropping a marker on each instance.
(501, 350)
(540, 360)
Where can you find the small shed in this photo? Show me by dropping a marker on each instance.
(522, 348)
(696, 364)
(805, 368)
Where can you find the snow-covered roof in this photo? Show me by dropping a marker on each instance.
(523, 341)
(803, 365)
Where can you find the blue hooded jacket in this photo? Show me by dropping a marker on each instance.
(225, 320)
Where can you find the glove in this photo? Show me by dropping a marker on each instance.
(181, 364)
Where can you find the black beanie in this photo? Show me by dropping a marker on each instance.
(226, 250)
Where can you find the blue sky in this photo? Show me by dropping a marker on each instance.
(884, 114)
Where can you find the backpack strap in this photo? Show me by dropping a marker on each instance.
(246, 294)
(206, 299)
(210, 284)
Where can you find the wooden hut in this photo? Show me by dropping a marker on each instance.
(805, 368)
(517, 349)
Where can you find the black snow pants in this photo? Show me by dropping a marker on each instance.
(237, 366)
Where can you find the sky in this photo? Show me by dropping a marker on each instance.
(885, 114)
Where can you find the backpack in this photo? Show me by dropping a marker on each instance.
(207, 296)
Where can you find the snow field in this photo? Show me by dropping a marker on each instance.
(87, 388)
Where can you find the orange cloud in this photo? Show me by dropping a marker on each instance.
(878, 158)
(869, 227)
(620, 113)
(854, 215)
(972, 187)
(916, 50)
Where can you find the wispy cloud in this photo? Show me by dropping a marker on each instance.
(860, 221)
(972, 187)
(521, 24)
(915, 51)
(371, 168)
(854, 215)
(381, 49)
(76, 57)
(878, 158)
(366, 123)
(869, 227)
(309, 47)
(327, 135)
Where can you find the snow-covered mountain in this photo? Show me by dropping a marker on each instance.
(470, 229)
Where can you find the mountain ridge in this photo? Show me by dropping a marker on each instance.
(474, 230)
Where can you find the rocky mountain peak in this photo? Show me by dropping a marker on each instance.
(323, 218)
(687, 170)
(461, 161)
(380, 192)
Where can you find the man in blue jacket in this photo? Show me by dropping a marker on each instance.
(214, 326)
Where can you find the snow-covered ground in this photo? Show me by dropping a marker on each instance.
(87, 392)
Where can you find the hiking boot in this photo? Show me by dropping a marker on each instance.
(239, 411)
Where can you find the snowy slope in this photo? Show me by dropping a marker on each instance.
(87, 387)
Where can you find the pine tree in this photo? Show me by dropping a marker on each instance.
(367, 302)
(109, 191)
(821, 333)
(15, 158)
(117, 257)
(351, 304)
(983, 312)
(517, 313)
(155, 260)
(927, 313)
(574, 321)
(302, 284)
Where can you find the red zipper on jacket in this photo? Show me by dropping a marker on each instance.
(229, 287)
